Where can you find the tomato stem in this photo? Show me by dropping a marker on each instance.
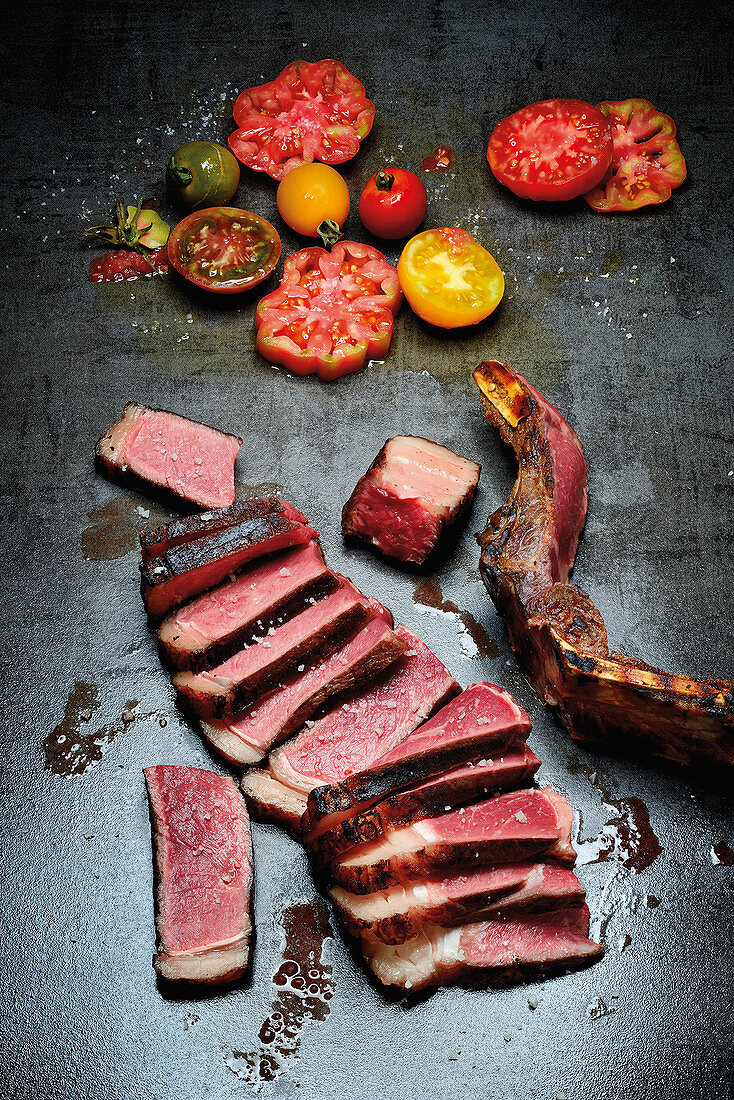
(330, 232)
(182, 175)
(384, 180)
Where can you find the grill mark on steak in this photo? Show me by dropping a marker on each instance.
(556, 632)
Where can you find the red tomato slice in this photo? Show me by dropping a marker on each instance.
(331, 312)
(224, 249)
(310, 112)
(647, 163)
(551, 151)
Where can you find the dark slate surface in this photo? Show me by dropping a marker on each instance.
(622, 321)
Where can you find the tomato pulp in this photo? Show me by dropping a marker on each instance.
(310, 112)
(223, 249)
(551, 151)
(647, 163)
(114, 267)
(449, 279)
(393, 203)
(331, 312)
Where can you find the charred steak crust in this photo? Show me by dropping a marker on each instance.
(203, 524)
(556, 632)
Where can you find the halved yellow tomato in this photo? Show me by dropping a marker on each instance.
(449, 279)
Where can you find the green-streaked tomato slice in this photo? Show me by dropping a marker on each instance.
(223, 249)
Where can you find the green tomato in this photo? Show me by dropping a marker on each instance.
(201, 174)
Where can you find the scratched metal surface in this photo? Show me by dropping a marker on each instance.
(621, 321)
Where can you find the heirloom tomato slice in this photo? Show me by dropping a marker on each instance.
(331, 312)
(224, 249)
(310, 112)
(551, 151)
(647, 163)
(449, 279)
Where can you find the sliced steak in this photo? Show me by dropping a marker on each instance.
(158, 449)
(400, 913)
(200, 525)
(505, 829)
(556, 632)
(412, 491)
(187, 568)
(246, 737)
(212, 627)
(501, 951)
(467, 783)
(480, 721)
(269, 800)
(312, 633)
(203, 859)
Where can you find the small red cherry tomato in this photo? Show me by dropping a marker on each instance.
(393, 204)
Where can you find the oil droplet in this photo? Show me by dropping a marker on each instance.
(257, 492)
(598, 1008)
(722, 855)
(304, 990)
(429, 594)
(438, 161)
(612, 264)
(113, 529)
(68, 750)
(627, 838)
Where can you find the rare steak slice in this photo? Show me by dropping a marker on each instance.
(171, 453)
(312, 633)
(246, 737)
(210, 628)
(412, 491)
(496, 951)
(480, 721)
(399, 914)
(508, 828)
(203, 859)
(199, 525)
(185, 569)
(472, 782)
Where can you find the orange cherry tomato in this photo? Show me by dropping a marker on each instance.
(311, 194)
(449, 279)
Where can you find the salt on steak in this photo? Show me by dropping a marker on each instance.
(246, 737)
(498, 951)
(355, 731)
(556, 632)
(314, 632)
(480, 721)
(213, 626)
(203, 860)
(398, 914)
(154, 448)
(505, 829)
(185, 567)
(411, 493)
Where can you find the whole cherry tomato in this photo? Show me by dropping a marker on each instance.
(313, 199)
(201, 174)
(393, 204)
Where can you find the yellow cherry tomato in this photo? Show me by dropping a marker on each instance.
(311, 194)
(449, 279)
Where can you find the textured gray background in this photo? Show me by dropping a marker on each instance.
(621, 321)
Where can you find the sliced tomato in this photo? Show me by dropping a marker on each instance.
(310, 112)
(647, 163)
(331, 312)
(449, 279)
(551, 151)
(224, 249)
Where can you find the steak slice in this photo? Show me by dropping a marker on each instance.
(412, 491)
(199, 525)
(158, 449)
(501, 951)
(212, 627)
(312, 633)
(505, 829)
(400, 913)
(556, 632)
(481, 720)
(466, 783)
(185, 569)
(203, 859)
(246, 737)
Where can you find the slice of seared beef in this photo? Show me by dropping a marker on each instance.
(246, 737)
(200, 525)
(467, 783)
(412, 491)
(480, 721)
(400, 913)
(508, 828)
(212, 627)
(203, 859)
(158, 449)
(187, 568)
(358, 730)
(556, 632)
(500, 951)
(312, 633)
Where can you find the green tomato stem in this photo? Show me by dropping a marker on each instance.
(330, 232)
(384, 180)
